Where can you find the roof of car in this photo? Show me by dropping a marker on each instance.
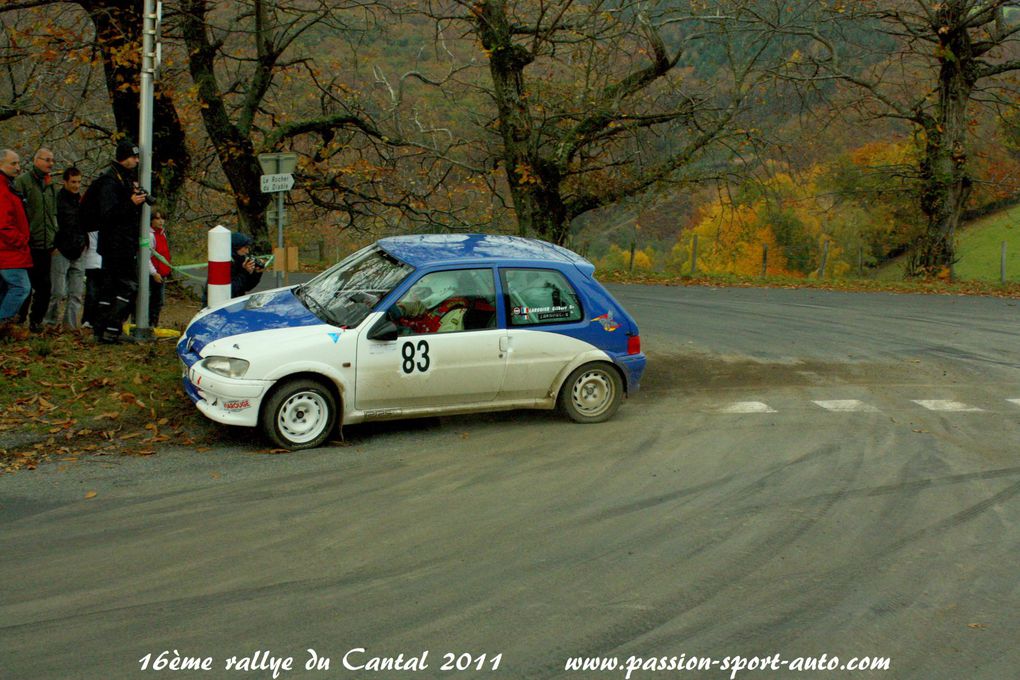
(431, 249)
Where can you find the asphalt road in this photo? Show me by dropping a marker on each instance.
(804, 473)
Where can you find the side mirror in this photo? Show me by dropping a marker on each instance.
(384, 330)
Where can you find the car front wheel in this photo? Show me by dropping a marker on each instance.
(592, 393)
(300, 414)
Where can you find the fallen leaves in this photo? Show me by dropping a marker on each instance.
(63, 398)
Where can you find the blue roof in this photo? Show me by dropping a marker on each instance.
(432, 249)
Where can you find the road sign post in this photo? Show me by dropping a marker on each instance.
(277, 178)
(152, 12)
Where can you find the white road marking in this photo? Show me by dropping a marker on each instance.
(846, 406)
(748, 407)
(945, 405)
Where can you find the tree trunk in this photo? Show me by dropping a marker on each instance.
(534, 182)
(119, 34)
(945, 185)
(234, 149)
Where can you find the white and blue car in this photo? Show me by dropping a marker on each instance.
(416, 326)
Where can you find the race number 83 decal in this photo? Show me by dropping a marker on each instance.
(408, 352)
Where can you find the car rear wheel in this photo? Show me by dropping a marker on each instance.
(592, 393)
(300, 414)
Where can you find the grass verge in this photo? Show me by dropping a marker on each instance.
(62, 397)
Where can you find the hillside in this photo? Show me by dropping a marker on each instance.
(979, 250)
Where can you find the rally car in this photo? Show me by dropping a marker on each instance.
(416, 326)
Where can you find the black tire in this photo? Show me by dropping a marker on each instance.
(299, 414)
(591, 393)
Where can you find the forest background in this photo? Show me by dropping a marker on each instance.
(836, 134)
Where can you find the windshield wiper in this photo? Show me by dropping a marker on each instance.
(308, 300)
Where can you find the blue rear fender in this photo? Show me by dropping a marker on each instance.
(608, 327)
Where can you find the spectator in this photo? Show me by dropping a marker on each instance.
(15, 255)
(115, 207)
(68, 276)
(93, 264)
(159, 265)
(40, 195)
(245, 270)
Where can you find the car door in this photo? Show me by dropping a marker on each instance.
(542, 310)
(450, 352)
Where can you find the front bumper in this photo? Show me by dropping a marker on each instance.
(231, 401)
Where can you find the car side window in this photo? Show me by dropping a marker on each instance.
(447, 302)
(539, 296)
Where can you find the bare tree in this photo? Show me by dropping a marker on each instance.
(948, 58)
(238, 57)
(115, 40)
(597, 102)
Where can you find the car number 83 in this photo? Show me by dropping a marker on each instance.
(410, 352)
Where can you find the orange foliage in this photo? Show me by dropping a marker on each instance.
(731, 240)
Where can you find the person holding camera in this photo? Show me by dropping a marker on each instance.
(113, 205)
(245, 270)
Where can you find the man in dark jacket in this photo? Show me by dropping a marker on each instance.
(40, 194)
(68, 279)
(15, 256)
(116, 208)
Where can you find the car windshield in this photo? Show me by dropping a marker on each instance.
(346, 293)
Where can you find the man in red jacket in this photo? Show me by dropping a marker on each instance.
(15, 255)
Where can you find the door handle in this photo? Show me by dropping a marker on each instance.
(504, 343)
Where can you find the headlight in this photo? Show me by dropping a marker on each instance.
(227, 366)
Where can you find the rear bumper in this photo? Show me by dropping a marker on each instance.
(633, 366)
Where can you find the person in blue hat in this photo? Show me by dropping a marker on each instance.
(245, 270)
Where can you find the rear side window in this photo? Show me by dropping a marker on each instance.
(537, 297)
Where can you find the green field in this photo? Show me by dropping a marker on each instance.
(979, 248)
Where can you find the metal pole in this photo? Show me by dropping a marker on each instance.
(825, 258)
(279, 239)
(694, 255)
(1002, 263)
(145, 116)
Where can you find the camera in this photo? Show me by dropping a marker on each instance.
(259, 262)
(142, 192)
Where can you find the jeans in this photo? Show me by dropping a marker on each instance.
(14, 290)
(39, 275)
(68, 283)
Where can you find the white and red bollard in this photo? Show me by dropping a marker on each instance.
(219, 266)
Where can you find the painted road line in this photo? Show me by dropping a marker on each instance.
(945, 405)
(846, 406)
(748, 407)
